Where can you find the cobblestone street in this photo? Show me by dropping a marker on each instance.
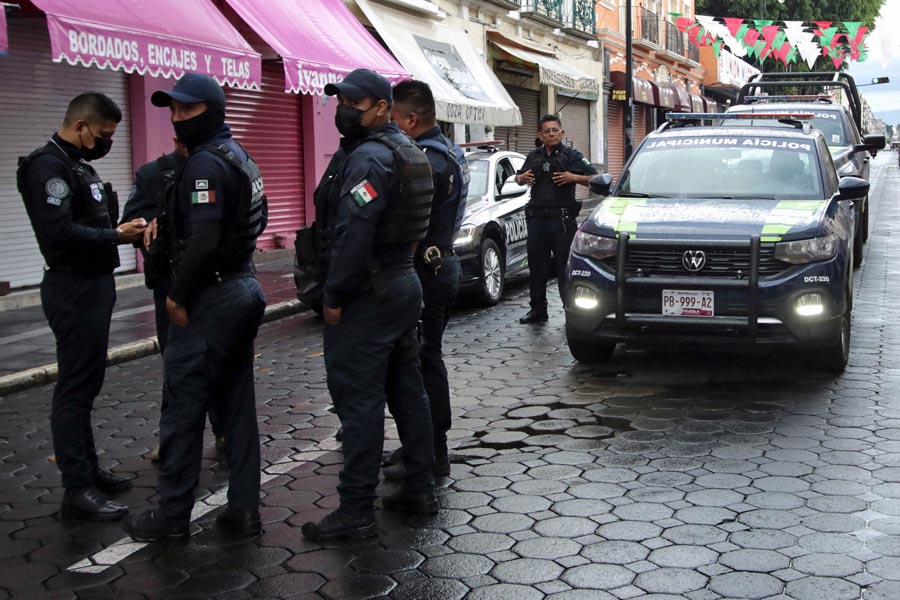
(655, 476)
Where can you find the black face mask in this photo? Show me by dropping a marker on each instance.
(348, 119)
(196, 130)
(101, 148)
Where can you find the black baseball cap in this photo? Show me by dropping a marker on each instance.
(361, 83)
(191, 88)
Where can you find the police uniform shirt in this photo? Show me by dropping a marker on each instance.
(207, 193)
(443, 207)
(365, 182)
(545, 193)
(69, 213)
(147, 196)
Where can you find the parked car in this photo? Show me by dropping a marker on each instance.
(718, 236)
(492, 241)
(840, 125)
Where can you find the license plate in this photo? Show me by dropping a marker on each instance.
(688, 303)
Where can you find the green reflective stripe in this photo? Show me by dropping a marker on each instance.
(627, 228)
(809, 205)
(770, 238)
(775, 229)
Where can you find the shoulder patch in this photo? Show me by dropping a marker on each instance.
(363, 192)
(201, 184)
(204, 197)
(54, 201)
(57, 188)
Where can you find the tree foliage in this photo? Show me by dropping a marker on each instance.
(793, 10)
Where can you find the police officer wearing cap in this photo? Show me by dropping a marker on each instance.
(215, 305)
(436, 264)
(73, 214)
(379, 202)
(551, 170)
(147, 200)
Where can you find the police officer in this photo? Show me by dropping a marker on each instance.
(551, 170)
(215, 306)
(73, 214)
(379, 205)
(436, 264)
(147, 200)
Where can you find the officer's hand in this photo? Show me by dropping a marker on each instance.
(332, 315)
(526, 178)
(563, 177)
(131, 231)
(150, 233)
(177, 313)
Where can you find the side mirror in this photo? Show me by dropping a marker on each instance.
(601, 184)
(511, 188)
(851, 188)
(871, 143)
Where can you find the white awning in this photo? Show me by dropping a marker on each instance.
(464, 87)
(554, 71)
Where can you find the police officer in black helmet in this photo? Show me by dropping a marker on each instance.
(552, 170)
(217, 210)
(73, 214)
(379, 201)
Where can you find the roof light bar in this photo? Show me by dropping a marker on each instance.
(484, 143)
(801, 97)
(794, 116)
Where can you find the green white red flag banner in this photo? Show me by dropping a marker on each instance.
(787, 42)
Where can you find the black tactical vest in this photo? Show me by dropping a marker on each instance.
(406, 218)
(94, 204)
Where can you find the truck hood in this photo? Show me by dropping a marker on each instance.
(707, 219)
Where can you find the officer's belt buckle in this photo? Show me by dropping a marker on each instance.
(431, 253)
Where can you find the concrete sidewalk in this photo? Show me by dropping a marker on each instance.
(28, 348)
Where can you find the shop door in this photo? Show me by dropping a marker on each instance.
(268, 123)
(575, 114)
(521, 139)
(615, 138)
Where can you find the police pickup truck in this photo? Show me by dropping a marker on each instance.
(841, 125)
(718, 236)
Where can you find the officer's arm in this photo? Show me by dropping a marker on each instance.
(443, 210)
(142, 202)
(202, 186)
(51, 197)
(363, 198)
(580, 166)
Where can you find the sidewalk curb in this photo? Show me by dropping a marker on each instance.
(23, 380)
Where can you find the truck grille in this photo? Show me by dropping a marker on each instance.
(721, 262)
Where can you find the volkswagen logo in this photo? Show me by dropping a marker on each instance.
(693, 260)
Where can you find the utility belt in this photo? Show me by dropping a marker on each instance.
(553, 212)
(380, 275)
(219, 277)
(77, 270)
(432, 257)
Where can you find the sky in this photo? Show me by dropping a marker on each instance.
(884, 60)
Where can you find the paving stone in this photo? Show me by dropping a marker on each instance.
(427, 589)
(287, 585)
(827, 565)
(386, 562)
(745, 585)
(688, 557)
(457, 565)
(521, 504)
(502, 523)
(762, 561)
(598, 577)
(763, 539)
(547, 547)
(816, 588)
(505, 591)
(666, 580)
(581, 508)
(570, 527)
(886, 568)
(695, 535)
(527, 571)
(615, 552)
(357, 586)
(883, 590)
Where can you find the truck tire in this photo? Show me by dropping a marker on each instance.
(491, 272)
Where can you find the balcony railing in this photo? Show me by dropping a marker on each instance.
(675, 40)
(507, 4)
(693, 53)
(646, 26)
(580, 18)
(548, 11)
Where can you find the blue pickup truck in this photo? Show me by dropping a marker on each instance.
(718, 236)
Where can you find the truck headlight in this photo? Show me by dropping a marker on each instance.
(593, 246)
(465, 236)
(802, 252)
(809, 305)
(585, 298)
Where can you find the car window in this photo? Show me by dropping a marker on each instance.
(715, 167)
(831, 177)
(505, 170)
(830, 123)
(479, 172)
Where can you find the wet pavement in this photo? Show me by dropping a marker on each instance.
(655, 476)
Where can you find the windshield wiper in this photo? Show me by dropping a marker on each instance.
(640, 195)
(718, 197)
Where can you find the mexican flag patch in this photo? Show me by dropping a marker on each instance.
(363, 192)
(207, 197)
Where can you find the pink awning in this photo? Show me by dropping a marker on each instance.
(4, 39)
(160, 37)
(320, 41)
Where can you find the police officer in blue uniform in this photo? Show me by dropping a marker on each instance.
(216, 211)
(73, 214)
(551, 170)
(147, 200)
(436, 264)
(379, 202)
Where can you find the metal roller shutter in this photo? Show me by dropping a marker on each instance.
(575, 114)
(615, 137)
(268, 124)
(33, 101)
(641, 125)
(521, 139)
